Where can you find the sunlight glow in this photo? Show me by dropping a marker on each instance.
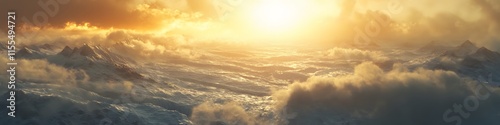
(278, 15)
(83, 26)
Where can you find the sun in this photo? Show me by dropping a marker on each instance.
(277, 15)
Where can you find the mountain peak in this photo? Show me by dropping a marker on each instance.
(466, 48)
(66, 51)
(484, 50)
(485, 54)
(467, 44)
(26, 52)
(86, 50)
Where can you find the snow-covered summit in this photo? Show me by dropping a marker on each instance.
(92, 53)
(485, 55)
(26, 52)
(466, 48)
(97, 61)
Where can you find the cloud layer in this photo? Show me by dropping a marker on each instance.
(42, 71)
(375, 97)
(229, 113)
(136, 14)
(356, 54)
(381, 21)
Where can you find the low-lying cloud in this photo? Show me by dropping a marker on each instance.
(356, 54)
(375, 97)
(230, 113)
(42, 71)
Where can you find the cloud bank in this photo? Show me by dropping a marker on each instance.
(229, 113)
(128, 14)
(375, 97)
(356, 54)
(44, 72)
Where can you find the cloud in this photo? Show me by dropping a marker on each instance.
(416, 23)
(129, 43)
(356, 54)
(146, 45)
(229, 113)
(372, 96)
(42, 71)
(389, 22)
(128, 14)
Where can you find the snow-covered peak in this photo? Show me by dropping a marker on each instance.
(83, 51)
(97, 61)
(466, 48)
(92, 53)
(86, 50)
(484, 50)
(484, 54)
(26, 52)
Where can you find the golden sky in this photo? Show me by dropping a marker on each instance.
(320, 21)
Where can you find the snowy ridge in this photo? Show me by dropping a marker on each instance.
(485, 55)
(94, 53)
(97, 61)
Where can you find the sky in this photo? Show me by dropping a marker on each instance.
(330, 22)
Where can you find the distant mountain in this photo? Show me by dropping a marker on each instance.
(482, 58)
(485, 55)
(96, 60)
(469, 60)
(466, 48)
(92, 53)
(66, 52)
(26, 52)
